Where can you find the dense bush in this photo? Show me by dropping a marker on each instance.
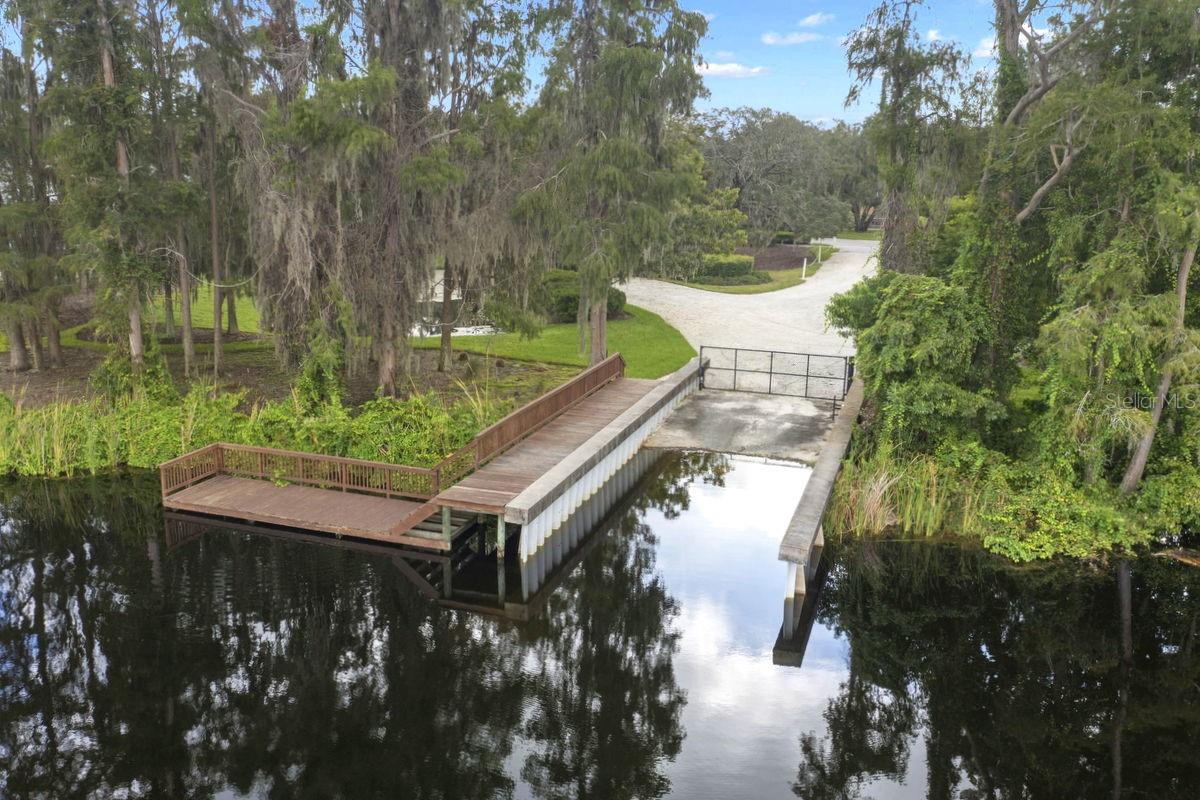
(725, 265)
(916, 337)
(94, 435)
(746, 279)
(557, 296)
(1022, 511)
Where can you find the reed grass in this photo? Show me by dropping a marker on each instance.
(917, 495)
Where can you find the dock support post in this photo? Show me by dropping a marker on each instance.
(447, 527)
(447, 578)
(501, 536)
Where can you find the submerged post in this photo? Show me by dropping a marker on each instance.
(501, 536)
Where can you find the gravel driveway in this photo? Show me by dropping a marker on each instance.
(789, 319)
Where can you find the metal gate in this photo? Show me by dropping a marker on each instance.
(816, 377)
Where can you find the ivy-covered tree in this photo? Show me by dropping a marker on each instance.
(618, 70)
(33, 279)
(918, 83)
(1075, 357)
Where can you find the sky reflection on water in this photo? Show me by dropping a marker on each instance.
(232, 664)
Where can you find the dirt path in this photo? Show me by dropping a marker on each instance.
(790, 319)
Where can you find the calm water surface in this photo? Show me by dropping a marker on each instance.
(141, 662)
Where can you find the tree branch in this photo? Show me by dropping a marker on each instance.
(1036, 200)
(1027, 101)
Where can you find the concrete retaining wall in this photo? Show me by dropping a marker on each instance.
(551, 499)
(804, 534)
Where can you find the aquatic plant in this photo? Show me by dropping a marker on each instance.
(71, 437)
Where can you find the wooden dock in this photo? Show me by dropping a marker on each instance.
(337, 512)
(424, 507)
(491, 488)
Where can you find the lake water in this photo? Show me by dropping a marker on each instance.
(137, 661)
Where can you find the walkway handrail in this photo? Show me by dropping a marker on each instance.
(502, 435)
(376, 477)
(308, 469)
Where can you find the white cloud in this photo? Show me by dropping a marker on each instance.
(813, 20)
(731, 69)
(934, 35)
(724, 55)
(986, 47)
(796, 37)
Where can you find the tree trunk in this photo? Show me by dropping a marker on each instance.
(185, 279)
(1141, 453)
(863, 214)
(185, 307)
(136, 345)
(34, 342)
(54, 341)
(214, 239)
(18, 353)
(168, 310)
(137, 349)
(898, 229)
(231, 326)
(598, 344)
(583, 321)
(446, 352)
(387, 360)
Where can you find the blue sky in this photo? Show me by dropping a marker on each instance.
(788, 56)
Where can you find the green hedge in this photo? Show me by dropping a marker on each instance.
(748, 279)
(557, 296)
(726, 265)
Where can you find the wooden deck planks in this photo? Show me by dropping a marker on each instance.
(331, 511)
(494, 485)
(488, 490)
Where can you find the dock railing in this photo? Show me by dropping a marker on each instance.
(502, 435)
(375, 477)
(305, 469)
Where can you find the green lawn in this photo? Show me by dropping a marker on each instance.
(651, 348)
(780, 279)
(202, 317)
(871, 236)
(202, 310)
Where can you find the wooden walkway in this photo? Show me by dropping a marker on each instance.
(492, 487)
(414, 506)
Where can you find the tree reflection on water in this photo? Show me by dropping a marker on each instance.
(140, 666)
(1040, 682)
(278, 670)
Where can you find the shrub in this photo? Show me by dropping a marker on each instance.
(747, 279)
(557, 296)
(726, 265)
(916, 339)
(67, 438)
